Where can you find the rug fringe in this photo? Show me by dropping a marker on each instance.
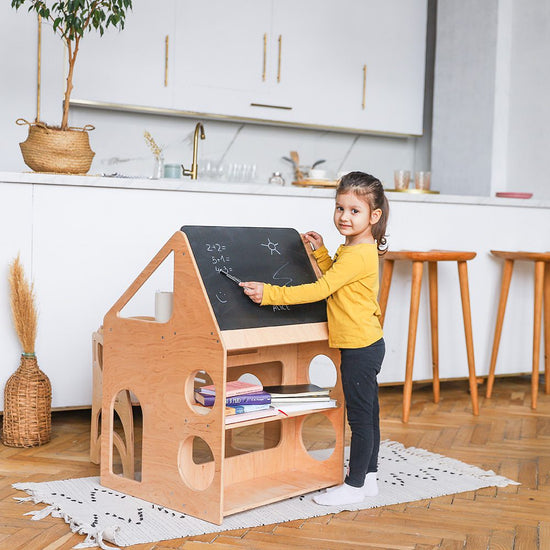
(93, 539)
(432, 458)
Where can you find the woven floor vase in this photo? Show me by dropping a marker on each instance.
(59, 151)
(27, 406)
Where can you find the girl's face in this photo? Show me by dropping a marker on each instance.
(354, 219)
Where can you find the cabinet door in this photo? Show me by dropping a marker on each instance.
(133, 66)
(320, 59)
(279, 61)
(393, 57)
(222, 55)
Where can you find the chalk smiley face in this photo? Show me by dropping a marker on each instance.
(221, 296)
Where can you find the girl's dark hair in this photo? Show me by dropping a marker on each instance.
(371, 189)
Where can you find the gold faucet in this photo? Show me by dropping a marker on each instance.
(194, 166)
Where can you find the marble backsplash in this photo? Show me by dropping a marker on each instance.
(120, 147)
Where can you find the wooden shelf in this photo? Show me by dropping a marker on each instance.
(280, 417)
(267, 489)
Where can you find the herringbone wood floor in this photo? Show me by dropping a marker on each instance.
(508, 437)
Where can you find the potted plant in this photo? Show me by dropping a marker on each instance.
(62, 148)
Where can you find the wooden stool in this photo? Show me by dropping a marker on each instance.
(418, 259)
(542, 294)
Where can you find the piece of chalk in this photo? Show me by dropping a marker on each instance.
(232, 277)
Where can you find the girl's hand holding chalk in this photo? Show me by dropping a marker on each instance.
(314, 239)
(254, 290)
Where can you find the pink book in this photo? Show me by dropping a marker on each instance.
(236, 387)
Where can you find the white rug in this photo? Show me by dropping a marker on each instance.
(405, 475)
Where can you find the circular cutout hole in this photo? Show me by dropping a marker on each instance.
(250, 378)
(196, 381)
(196, 463)
(322, 371)
(318, 436)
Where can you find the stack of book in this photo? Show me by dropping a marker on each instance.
(243, 401)
(299, 397)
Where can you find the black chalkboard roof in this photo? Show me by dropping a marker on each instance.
(267, 254)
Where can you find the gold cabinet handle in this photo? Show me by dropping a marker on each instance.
(279, 61)
(267, 106)
(265, 57)
(364, 87)
(166, 61)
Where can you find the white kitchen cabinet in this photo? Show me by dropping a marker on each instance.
(78, 273)
(341, 64)
(133, 66)
(370, 74)
(321, 58)
(392, 56)
(277, 60)
(222, 55)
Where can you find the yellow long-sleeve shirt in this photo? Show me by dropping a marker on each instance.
(350, 284)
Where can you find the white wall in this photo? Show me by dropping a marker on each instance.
(529, 108)
(464, 91)
(18, 45)
(491, 116)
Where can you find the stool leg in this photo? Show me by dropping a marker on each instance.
(416, 284)
(387, 272)
(547, 327)
(504, 288)
(539, 279)
(432, 275)
(465, 296)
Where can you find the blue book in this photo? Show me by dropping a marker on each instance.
(258, 398)
(240, 409)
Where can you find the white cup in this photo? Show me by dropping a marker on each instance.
(317, 174)
(164, 304)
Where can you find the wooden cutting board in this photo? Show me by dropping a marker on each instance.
(316, 183)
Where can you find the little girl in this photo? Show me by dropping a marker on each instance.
(350, 285)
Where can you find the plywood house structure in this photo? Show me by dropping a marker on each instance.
(159, 364)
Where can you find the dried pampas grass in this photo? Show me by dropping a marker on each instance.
(23, 308)
(157, 151)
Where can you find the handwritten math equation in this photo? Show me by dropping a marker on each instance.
(220, 259)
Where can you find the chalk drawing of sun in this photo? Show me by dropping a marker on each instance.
(272, 247)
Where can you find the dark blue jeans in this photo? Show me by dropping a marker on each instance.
(359, 368)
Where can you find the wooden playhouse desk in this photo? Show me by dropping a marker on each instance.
(159, 362)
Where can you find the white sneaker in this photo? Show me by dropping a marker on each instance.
(370, 487)
(343, 494)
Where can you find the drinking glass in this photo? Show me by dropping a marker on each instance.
(402, 179)
(422, 180)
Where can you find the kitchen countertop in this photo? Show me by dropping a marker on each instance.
(234, 188)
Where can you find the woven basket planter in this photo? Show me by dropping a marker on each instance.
(54, 150)
(27, 406)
